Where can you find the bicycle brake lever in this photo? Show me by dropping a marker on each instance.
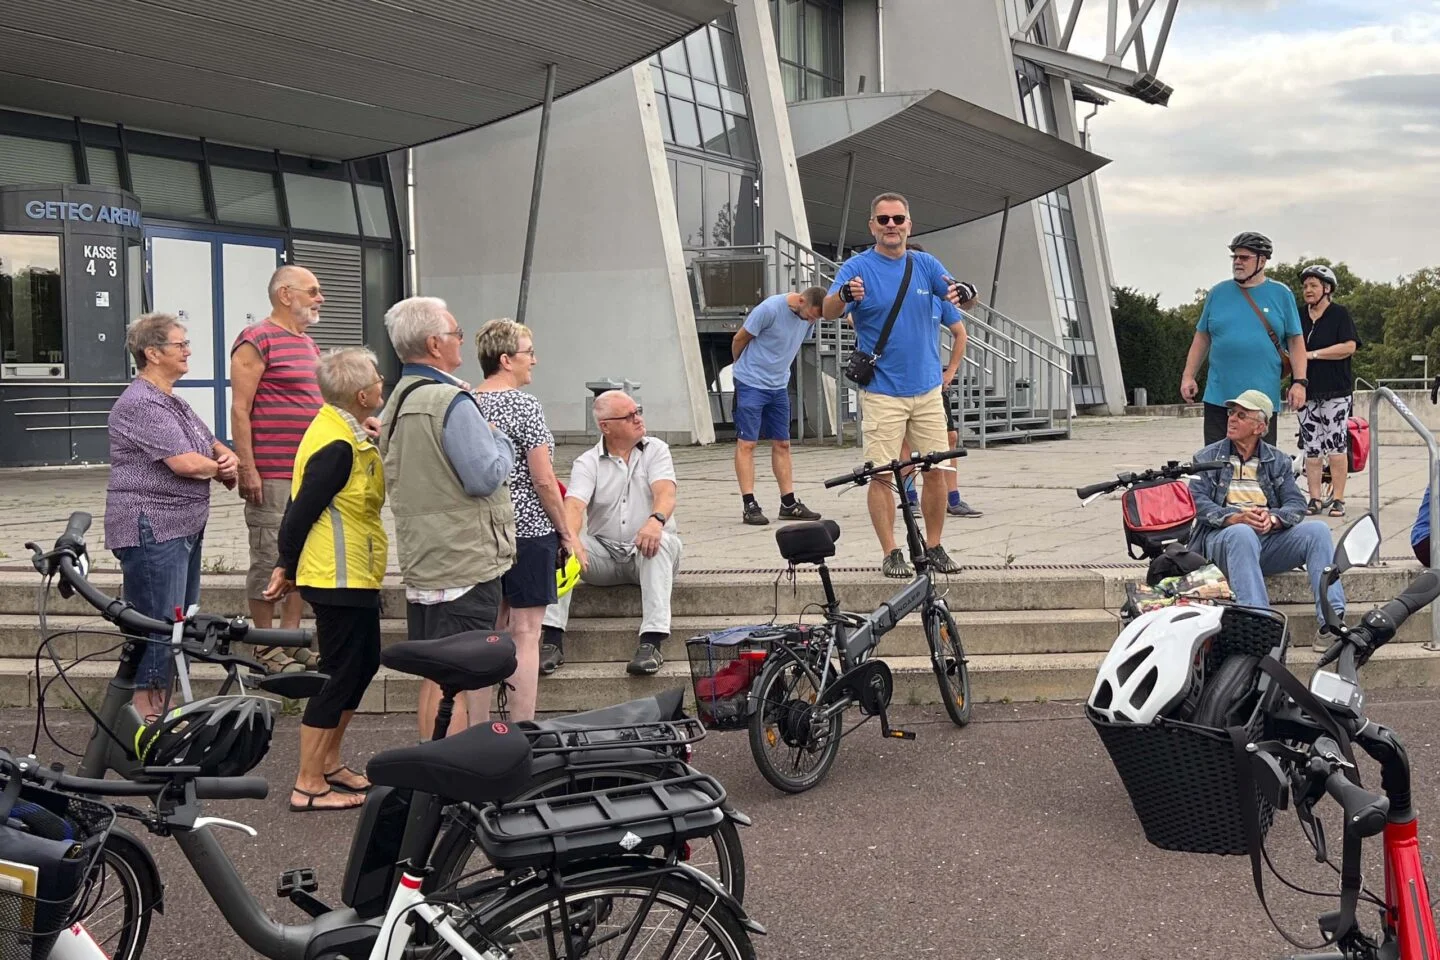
(227, 824)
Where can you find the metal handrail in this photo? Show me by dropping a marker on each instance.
(1433, 451)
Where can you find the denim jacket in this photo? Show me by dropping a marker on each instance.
(1276, 476)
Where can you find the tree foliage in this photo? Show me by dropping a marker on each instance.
(1395, 319)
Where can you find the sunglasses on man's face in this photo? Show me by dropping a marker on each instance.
(884, 219)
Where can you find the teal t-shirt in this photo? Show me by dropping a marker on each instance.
(1241, 354)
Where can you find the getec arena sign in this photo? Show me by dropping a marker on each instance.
(87, 212)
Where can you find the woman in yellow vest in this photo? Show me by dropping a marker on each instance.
(333, 546)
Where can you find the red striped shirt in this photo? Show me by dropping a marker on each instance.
(286, 399)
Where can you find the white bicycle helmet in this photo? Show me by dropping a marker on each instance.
(1151, 668)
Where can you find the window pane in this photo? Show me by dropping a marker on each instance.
(719, 208)
(712, 130)
(23, 160)
(814, 36)
(673, 57)
(742, 138)
(31, 330)
(791, 76)
(657, 77)
(689, 208)
(747, 212)
(380, 293)
(104, 164)
(702, 63)
(834, 88)
(662, 106)
(245, 196)
(687, 129)
(679, 85)
(727, 61)
(707, 93)
(374, 215)
(320, 204)
(733, 101)
(790, 30)
(168, 187)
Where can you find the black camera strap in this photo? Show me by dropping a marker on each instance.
(895, 307)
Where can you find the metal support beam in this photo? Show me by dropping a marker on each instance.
(1112, 17)
(1111, 76)
(1137, 20)
(1033, 16)
(845, 210)
(1070, 22)
(527, 262)
(999, 253)
(1164, 34)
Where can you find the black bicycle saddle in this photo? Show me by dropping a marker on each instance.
(809, 542)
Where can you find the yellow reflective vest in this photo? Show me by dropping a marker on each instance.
(347, 546)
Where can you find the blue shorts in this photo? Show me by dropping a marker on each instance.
(761, 413)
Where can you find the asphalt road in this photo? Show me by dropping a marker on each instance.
(1012, 838)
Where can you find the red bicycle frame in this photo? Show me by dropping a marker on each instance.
(1407, 898)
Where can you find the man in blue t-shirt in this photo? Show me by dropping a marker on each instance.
(1242, 354)
(764, 349)
(903, 400)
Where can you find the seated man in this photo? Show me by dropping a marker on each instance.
(625, 487)
(1249, 517)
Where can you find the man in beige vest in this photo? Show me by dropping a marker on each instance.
(447, 472)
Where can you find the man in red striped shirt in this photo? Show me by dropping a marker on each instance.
(274, 396)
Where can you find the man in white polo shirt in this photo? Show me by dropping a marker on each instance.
(622, 492)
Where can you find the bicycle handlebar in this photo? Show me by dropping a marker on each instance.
(1173, 470)
(1365, 812)
(869, 469)
(1380, 625)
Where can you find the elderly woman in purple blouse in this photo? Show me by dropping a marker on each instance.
(162, 459)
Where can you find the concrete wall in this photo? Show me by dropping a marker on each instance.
(608, 295)
(782, 204)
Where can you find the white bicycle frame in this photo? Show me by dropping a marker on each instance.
(396, 929)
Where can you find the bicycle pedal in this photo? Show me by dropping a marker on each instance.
(302, 880)
(900, 734)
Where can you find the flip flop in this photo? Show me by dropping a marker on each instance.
(309, 805)
(341, 785)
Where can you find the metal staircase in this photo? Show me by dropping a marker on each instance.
(1013, 384)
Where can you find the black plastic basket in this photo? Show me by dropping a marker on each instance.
(723, 666)
(65, 861)
(1183, 780)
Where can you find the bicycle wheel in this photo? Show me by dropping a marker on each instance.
(616, 915)
(117, 907)
(947, 657)
(792, 751)
(457, 854)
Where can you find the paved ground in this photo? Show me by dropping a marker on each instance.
(1026, 490)
(1011, 839)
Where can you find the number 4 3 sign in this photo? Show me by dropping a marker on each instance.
(108, 255)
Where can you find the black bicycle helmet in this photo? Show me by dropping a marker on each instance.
(1322, 273)
(1256, 243)
(223, 736)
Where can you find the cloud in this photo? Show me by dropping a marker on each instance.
(1326, 138)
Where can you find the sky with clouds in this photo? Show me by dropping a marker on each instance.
(1316, 122)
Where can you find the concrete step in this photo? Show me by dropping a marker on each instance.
(578, 686)
(755, 593)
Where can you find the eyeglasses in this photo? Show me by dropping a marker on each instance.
(884, 219)
(182, 344)
(1242, 257)
(530, 352)
(457, 333)
(1239, 413)
(634, 416)
(311, 292)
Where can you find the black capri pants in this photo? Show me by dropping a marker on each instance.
(349, 640)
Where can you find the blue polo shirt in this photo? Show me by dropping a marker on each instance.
(1241, 354)
(910, 365)
(778, 332)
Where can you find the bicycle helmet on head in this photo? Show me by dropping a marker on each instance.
(223, 736)
(1151, 668)
(1256, 243)
(1322, 273)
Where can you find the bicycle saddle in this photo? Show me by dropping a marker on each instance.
(463, 661)
(484, 764)
(809, 542)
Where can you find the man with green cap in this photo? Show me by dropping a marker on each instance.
(1250, 516)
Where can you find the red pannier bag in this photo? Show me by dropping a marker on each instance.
(1156, 514)
(1359, 445)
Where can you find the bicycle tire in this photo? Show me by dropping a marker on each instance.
(947, 659)
(773, 719)
(523, 924)
(125, 863)
(458, 843)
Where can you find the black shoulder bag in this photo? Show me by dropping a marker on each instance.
(860, 368)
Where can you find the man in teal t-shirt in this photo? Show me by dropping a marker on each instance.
(1242, 355)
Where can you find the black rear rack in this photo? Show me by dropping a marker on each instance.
(653, 735)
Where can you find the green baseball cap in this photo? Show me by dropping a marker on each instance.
(1254, 400)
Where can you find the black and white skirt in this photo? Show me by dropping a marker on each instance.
(1323, 426)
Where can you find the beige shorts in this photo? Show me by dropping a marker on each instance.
(264, 525)
(889, 421)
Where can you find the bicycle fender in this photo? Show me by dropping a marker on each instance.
(122, 838)
(710, 883)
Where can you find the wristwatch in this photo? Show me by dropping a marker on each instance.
(659, 516)
(1302, 381)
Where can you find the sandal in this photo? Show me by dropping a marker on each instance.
(1313, 508)
(276, 660)
(330, 778)
(309, 805)
(1337, 508)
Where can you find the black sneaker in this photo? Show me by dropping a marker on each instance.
(940, 561)
(647, 660)
(797, 511)
(754, 516)
(963, 509)
(552, 657)
(896, 566)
